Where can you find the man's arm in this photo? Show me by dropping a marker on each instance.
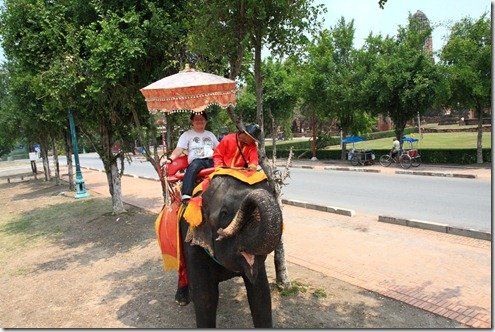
(218, 155)
(253, 157)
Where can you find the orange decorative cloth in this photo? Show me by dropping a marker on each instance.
(167, 234)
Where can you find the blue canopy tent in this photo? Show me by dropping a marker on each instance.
(353, 139)
(409, 139)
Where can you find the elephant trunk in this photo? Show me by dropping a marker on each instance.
(258, 223)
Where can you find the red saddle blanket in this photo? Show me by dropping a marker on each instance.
(167, 234)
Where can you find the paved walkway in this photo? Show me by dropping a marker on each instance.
(445, 274)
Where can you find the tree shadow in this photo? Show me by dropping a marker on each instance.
(74, 224)
(87, 232)
(37, 188)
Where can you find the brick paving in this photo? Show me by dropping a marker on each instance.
(446, 274)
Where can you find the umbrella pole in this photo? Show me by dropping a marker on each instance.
(165, 151)
(164, 121)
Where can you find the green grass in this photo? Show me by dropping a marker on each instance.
(21, 229)
(457, 140)
(296, 288)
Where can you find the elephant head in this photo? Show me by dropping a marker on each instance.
(242, 224)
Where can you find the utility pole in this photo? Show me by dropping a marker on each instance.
(80, 187)
(419, 127)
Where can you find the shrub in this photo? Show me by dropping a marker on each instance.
(428, 156)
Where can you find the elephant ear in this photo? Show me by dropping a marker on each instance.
(201, 236)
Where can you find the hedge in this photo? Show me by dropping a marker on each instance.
(428, 156)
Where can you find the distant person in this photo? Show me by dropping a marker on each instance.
(223, 133)
(239, 149)
(199, 144)
(394, 152)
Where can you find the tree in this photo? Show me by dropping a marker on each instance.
(8, 126)
(92, 57)
(249, 25)
(344, 89)
(30, 39)
(314, 75)
(403, 79)
(467, 59)
(279, 98)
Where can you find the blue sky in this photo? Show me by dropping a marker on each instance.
(368, 16)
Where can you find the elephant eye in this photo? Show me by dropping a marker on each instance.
(224, 218)
(223, 214)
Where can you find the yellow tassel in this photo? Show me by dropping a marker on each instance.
(193, 213)
(157, 227)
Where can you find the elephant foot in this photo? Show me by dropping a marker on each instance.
(182, 296)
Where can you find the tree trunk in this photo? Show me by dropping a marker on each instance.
(343, 134)
(313, 143)
(274, 137)
(479, 147)
(258, 78)
(115, 180)
(282, 278)
(111, 169)
(168, 129)
(68, 154)
(55, 160)
(281, 275)
(152, 158)
(235, 63)
(46, 161)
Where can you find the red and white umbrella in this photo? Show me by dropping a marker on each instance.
(189, 90)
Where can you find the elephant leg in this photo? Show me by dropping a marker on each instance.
(260, 301)
(182, 296)
(202, 283)
(204, 293)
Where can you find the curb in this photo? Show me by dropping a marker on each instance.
(374, 170)
(452, 175)
(354, 169)
(437, 227)
(22, 176)
(323, 208)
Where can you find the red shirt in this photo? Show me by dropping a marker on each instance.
(227, 153)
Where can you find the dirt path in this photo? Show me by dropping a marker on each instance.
(71, 264)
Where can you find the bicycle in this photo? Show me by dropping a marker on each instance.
(404, 160)
(362, 158)
(415, 157)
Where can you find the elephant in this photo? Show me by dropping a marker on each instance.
(241, 225)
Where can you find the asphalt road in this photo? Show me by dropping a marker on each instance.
(459, 202)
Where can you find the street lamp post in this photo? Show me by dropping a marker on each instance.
(80, 187)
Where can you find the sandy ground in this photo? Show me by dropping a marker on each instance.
(72, 264)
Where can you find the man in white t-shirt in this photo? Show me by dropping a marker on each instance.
(199, 144)
(394, 152)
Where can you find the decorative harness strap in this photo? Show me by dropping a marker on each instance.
(240, 150)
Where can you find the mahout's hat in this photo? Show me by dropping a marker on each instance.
(253, 131)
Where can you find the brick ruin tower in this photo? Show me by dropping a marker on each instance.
(425, 24)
